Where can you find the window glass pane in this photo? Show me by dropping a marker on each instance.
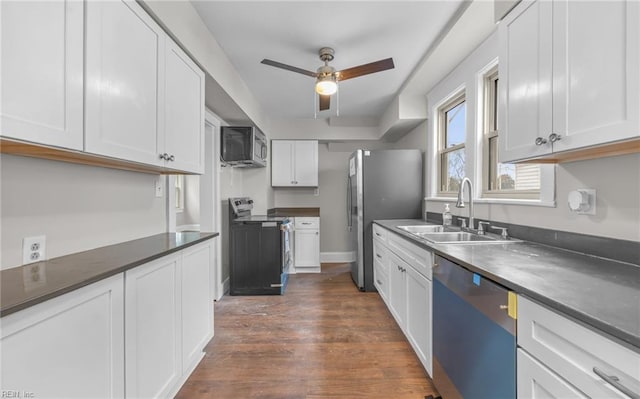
(455, 128)
(511, 177)
(453, 164)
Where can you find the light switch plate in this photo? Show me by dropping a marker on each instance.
(159, 190)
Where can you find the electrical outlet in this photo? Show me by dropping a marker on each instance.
(33, 249)
(159, 191)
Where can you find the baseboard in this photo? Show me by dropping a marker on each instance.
(225, 286)
(336, 257)
(313, 269)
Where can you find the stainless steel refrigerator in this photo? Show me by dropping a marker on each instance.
(382, 184)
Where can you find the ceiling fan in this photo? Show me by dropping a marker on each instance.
(327, 77)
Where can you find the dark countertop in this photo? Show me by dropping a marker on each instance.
(293, 212)
(28, 285)
(601, 293)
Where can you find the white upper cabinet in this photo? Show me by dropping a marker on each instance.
(42, 72)
(124, 65)
(183, 111)
(568, 76)
(294, 163)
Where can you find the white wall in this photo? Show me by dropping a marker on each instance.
(190, 216)
(77, 207)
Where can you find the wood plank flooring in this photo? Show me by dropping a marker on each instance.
(322, 339)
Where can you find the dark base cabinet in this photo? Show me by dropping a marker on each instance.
(255, 260)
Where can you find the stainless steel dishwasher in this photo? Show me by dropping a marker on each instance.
(474, 337)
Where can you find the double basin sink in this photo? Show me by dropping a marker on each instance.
(451, 235)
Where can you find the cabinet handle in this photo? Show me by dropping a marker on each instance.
(378, 255)
(554, 137)
(172, 158)
(306, 223)
(379, 235)
(613, 380)
(540, 141)
(317, 233)
(379, 282)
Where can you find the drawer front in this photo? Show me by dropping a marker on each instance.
(573, 350)
(535, 381)
(307, 223)
(379, 251)
(419, 258)
(381, 278)
(380, 233)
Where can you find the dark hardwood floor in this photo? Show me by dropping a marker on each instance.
(322, 339)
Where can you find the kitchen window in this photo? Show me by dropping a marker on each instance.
(515, 181)
(451, 143)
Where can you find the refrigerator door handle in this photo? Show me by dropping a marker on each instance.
(349, 202)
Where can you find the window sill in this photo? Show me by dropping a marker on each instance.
(499, 201)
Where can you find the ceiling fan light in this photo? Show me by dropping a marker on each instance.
(326, 86)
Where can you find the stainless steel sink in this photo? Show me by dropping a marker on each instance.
(462, 237)
(422, 228)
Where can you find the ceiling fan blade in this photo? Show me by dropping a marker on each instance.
(324, 101)
(366, 69)
(288, 67)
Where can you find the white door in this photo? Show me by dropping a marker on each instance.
(525, 81)
(71, 346)
(306, 163)
(197, 304)
(397, 289)
(307, 248)
(124, 65)
(419, 316)
(42, 72)
(282, 163)
(595, 72)
(153, 328)
(183, 111)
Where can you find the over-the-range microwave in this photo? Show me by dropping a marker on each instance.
(243, 146)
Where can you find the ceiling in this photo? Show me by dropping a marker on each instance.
(292, 32)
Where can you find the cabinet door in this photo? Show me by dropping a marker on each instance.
(535, 381)
(418, 327)
(306, 163)
(183, 111)
(397, 289)
(152, 334)
(42, 72)
(282, 163)
(197, 305)
(67, 347)
(124, 53)
(525, 81)
(595, 72)
(307, 249)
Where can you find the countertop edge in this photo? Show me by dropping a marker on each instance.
(13, 308)
(623, 337)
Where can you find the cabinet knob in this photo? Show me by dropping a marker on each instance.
(554, 137)
(540, 141)
(172, 158)
(163, 156)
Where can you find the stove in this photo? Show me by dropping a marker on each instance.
(259, 250)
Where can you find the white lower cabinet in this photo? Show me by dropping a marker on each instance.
(138, 334)
(152, 333)
(402, 272)
(307, 244)
(169, 320)
(558, 356)
(71, 346)
(197, 305)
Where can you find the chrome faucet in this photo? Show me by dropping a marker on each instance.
(460, 203)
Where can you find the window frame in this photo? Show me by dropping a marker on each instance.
(489, 108)
(453, 101)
